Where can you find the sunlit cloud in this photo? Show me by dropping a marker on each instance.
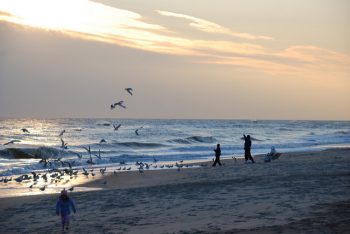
(210, 27)
(90, 20)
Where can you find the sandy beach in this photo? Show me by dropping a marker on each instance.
(305, 192)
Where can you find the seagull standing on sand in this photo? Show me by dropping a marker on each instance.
(25, 130)
(103, 170)
(129, 90)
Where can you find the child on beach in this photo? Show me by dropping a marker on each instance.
(63, 206)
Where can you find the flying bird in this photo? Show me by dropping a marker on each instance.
(129, 90)
(137, 131)
(120, 103)
(62, 132)
(63, 144)
(99, 154)
(25, 130)
(77, 154)
(12, 142)
(103, 141)
(116, 127)
(87, 149)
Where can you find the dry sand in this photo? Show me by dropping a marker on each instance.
(307, 192)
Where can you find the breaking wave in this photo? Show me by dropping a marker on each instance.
(193, 139)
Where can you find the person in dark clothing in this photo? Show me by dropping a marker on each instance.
(247, 147)
(217, 155)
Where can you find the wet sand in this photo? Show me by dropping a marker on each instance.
(306, 192)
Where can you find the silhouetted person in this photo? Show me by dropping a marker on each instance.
(217, 155)
(247, 147)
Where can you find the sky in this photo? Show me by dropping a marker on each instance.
(203, 59)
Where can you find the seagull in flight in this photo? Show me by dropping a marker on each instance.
(63, 144)
(25, 130)
(137, 131)
(87, 149)
(103, 141)
(129, 90)
(116, 127)
(77, 154)
(120, 103)
(62, 132)
(12, 142)
(99, 154)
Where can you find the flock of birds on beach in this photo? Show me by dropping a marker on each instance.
(64, 174)
(62, 171)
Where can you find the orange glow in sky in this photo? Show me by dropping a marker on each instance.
(96, 21)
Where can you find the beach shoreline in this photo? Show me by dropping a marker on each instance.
(291, 194)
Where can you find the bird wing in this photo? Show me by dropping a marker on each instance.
(129, 90)
(87, 149)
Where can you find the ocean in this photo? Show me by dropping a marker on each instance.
(161, 140)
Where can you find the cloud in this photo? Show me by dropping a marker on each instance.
(210, 27)
(90, 20)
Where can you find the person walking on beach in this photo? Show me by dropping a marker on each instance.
(63, 207)
(247, 147)
(217, 155)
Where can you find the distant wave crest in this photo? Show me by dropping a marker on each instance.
(194, 139)
(139, 144)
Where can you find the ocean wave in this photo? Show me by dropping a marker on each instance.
(193, 139)
(285, 129)
(103, 123)
(139, 144)
(342, 133)
(27, 153)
